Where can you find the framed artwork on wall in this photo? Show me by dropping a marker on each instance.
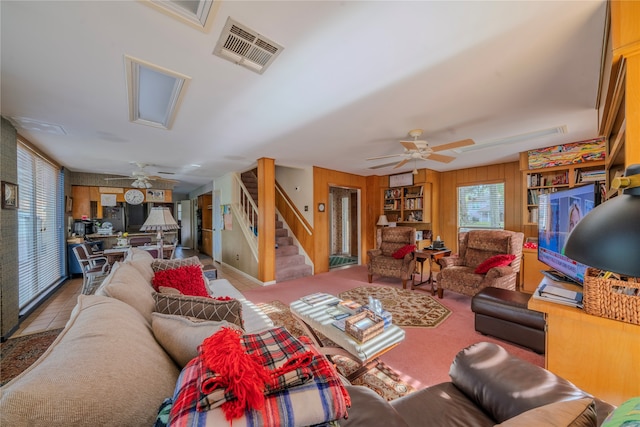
(69, 204)
(9, 195)
(401, 179)
(155, 196)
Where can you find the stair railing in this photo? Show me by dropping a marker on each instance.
(298, 225)
(245, 209)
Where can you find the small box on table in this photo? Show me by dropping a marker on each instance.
(364, 325)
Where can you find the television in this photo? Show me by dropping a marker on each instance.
(559, 212)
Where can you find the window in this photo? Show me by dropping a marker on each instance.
(481, 206)
(40, 239)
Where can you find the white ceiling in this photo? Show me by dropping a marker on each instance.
(354, 77)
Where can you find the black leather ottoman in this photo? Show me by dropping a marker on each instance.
(504, 314)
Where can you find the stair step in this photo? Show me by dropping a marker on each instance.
(284, 241)
(293, 272)
(287, 250)
(288, 261)
(279, 224)
(282, 232)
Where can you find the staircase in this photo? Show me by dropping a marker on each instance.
(290, 264)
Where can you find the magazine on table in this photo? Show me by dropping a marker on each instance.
(319, 298)
(550, 291)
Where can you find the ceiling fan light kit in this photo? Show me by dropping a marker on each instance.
(420, 150)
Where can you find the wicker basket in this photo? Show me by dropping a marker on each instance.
(360, 329)
(602, 298)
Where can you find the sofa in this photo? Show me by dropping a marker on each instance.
(117, 360)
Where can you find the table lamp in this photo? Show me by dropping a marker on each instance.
(382, 221)
(159, 219)
(608, 237)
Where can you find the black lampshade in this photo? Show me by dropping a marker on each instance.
(608, 237)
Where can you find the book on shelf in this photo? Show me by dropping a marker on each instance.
(349, 306)
(319, 298)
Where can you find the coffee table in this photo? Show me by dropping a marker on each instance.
(315, 319)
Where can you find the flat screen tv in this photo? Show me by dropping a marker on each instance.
(559, 213)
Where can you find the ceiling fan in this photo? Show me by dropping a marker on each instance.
(141, 179)
(420, 150)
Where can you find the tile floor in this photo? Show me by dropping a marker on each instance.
(54, 313)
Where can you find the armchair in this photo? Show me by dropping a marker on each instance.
(475, 247)
(381, 261)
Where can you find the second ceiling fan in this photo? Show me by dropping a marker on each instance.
(420, 150)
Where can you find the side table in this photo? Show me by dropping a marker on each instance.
(428, 255)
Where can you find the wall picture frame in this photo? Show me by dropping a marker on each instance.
(401, 179)
(9, 195)
(154, 196)
(69, 204)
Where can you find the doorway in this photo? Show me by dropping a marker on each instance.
(344, 219)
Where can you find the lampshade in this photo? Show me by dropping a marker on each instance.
(608, 237)
(382, 220)
(159, 219)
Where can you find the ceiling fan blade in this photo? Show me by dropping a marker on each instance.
(451, 145)
(439, 158)
(114, 178)
(402, 163)
(159, 178)
(384, 157)
(411, 145)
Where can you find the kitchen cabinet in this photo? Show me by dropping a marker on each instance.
(207, 242)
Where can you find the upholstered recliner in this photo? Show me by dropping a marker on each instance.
(381, 260)
(474, 248)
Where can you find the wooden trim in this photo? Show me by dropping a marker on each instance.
(292, 216)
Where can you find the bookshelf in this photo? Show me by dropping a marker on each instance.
(410, 206)
(546, 180)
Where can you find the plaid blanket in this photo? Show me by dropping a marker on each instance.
(282, 356)
(318, 401)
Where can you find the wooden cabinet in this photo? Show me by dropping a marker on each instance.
(530, 275)
(207, 242)
(599, 355)
(546, 180)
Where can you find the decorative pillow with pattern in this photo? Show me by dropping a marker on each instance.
(202, 308)
(168, 264)
(187, 279)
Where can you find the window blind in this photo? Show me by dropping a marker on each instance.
(40, 241)
(481, 206)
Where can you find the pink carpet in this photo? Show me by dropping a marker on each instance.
(424, 357)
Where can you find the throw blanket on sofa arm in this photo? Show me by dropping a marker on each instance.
(301, 387)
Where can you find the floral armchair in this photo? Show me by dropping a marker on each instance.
(498, 252)
(390, 241)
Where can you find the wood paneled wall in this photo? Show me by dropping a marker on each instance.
(509, 173)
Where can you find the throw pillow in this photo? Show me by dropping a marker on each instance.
(400, 253)
(168, 264)
(202, 308)
(166, 290)
(188, 280)
(141, 260)
(573, 413)
(180, 336)
(494, 261)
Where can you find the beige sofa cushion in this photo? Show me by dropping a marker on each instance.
(573, 413)
(128, 285)
(105, 368)
(141, 260)
(180, 336)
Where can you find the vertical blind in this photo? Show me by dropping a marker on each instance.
(481, 206)
(40, 240)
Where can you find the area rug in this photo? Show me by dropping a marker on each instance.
(381, 378)
(408, 308)
(342, 260)
(17, 354)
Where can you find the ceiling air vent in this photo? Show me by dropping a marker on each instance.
(246, 47)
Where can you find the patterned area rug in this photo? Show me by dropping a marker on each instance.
(340, 260)
(409, 308)
(17, 354)
(381, 379)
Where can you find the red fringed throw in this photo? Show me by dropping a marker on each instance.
(238, 372)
